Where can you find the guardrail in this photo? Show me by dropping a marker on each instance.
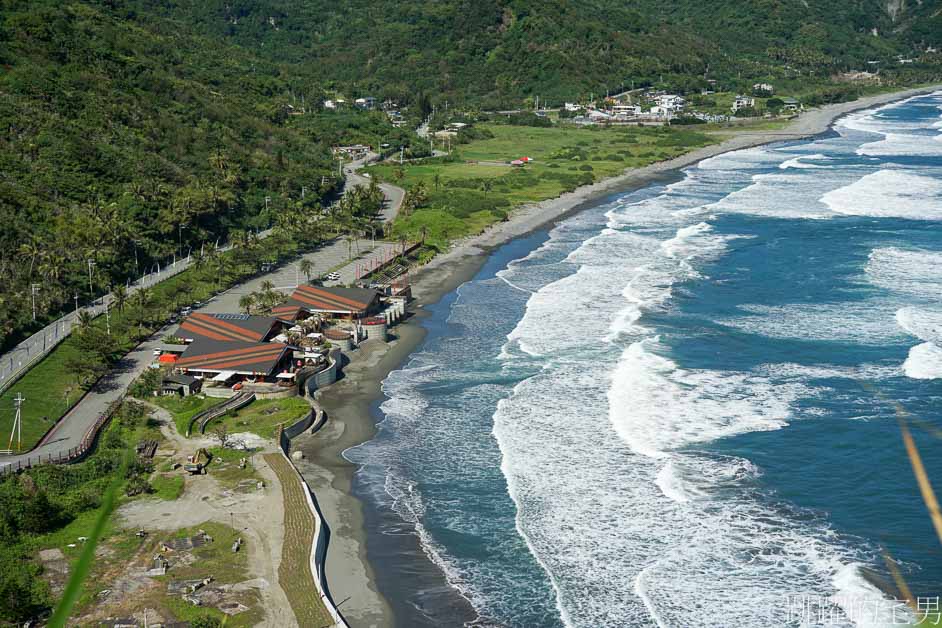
(72, 454)
(240, 400)
(18, 360)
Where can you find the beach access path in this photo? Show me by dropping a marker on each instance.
(72, 428)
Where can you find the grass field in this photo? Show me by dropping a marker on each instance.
(478, 186)
(294, 572)
(263, 416)
(184, 408)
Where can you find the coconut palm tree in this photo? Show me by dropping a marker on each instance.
(84, 321)
(306, 266)
(246, 302)
(120, 294)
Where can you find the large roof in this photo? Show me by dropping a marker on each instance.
(335, 300)
(227, 327)
(206, 354)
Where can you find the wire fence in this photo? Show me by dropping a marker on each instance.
(18, 360)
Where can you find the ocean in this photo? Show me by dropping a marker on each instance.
(679, 407)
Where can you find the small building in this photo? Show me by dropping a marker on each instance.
(791, 104)
(335, 302)
(571, 106)
(743, 102)
(671, 102)
(354, 151)
(365, 102)
(180, 384)
(763, 87)
(261, 361)
(626, 111)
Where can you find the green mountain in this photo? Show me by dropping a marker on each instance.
(495, 52)
(169, 122)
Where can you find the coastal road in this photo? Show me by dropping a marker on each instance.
(72, 428)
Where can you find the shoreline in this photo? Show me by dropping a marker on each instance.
(351, 402)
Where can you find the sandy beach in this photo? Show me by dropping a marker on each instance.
(354, 584)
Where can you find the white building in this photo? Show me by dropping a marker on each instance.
(571, 106)
(763, 87)
(626, 111)
(671, 102)
(743, 102)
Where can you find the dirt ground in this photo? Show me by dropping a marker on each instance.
(256, 515)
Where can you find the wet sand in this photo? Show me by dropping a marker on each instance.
(351, 402)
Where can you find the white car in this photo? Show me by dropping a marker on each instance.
(333, 276)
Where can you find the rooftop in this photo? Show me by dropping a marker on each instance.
(336, 300)
(206, 354)
(228, 327)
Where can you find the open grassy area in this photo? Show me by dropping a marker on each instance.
(184, 408)
(262, 416)
(224, 466)
(167, 487)
(478, 186)
(294, 572)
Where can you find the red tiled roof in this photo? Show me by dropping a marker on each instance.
(239, 329)
(354, 300)
(211, 355)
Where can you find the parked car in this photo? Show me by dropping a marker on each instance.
(157, 352)
(333, 276)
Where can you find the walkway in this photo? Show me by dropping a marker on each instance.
(72, 428)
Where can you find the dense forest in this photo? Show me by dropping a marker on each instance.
(495, 52)
(129, 138)
(137, 129)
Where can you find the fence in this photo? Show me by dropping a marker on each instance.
(18, 360)
(72, 454)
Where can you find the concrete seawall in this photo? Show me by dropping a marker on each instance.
(313, 420)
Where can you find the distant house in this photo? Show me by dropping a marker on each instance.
(626, 111)
(179, 384)
(791, 104)
(671, 102)
(571, 106)
(763, 87)
(336, 103)
(354, 151)
(743, 102)
(366, 102)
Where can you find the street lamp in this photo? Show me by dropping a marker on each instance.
(91, 290)
(34, 289)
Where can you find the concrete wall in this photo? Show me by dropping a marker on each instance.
(219, 392)
(327, 376)
(319, 546)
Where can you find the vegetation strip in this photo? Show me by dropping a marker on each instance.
(294, 572)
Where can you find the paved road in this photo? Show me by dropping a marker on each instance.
(72, 428)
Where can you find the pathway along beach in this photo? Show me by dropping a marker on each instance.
(358, 557)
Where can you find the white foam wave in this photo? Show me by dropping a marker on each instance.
(889, 193)
(923, 324)
(866, 323)
(924, 362)
(655, 406)
(801, 162)
(914, 272)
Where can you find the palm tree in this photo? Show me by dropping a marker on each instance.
(246, 301)
(31, 250)
(486, 186)
(306, 266)
(120, 294)
(84, 321)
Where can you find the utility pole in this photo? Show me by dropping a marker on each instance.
(34, 289)
(91, 289)
(267, 202)
(402, 153)
(17, 423)
(76, 301)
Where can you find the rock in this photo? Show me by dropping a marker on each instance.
(297, 455)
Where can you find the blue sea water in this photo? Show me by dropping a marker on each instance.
(679, 407)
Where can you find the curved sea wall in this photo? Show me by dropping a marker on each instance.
(313, 420)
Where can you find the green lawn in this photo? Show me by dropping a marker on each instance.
(480, 187)
(167, 487)
(263, 416)
(184, 408)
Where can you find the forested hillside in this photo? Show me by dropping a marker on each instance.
(494, 52)
(127, 138)
(139, 128)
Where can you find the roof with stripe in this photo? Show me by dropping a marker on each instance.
(227, 327)
(242, 357)
(336, 300)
